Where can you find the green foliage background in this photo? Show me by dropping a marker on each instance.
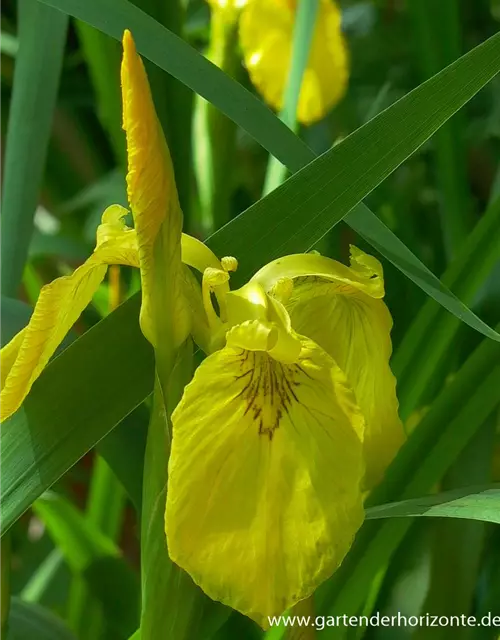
(406, 168)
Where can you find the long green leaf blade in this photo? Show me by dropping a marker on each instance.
(36, 81)
(472, 504)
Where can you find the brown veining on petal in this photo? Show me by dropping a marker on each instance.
(269, 389)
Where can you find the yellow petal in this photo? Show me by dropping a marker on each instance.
(58, 307)
(365, 273)
(153, 199)
(266, 32)
(354, 329)
(264, 494)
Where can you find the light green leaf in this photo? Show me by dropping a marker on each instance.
(471, 504)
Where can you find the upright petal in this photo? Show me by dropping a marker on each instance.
(266, 33)
(153, 199)
(57, 309)
(264, 493)
(354, 328)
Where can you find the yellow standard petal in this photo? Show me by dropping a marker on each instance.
(340, 309)
(264, 494)
(266, 32)
(153, 199)
(60, 304)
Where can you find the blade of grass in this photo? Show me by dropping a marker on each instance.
(430, 335)
(303, 32)
(438, 42)
(470, 503)
(36, 80)
(332, 192)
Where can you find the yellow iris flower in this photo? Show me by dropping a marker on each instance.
(295, 398)
(266, 34)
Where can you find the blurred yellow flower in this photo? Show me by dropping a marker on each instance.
(266, 32)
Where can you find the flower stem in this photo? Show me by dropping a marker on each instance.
(302, 38)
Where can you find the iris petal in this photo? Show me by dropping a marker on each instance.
(264, 493)
(354, 329)
(58, 307)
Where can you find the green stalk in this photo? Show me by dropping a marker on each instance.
(438, 42)
(302, 37)
(429, 337)
(172, 604)
(36, 80)
(215, 140)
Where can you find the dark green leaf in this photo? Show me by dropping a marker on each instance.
(36, 80)
(28, 621)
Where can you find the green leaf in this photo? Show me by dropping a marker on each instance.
(480, 503)
(28, 621)
(304, 208)
(438, 39)
(93, 556)
(53, 430)
(432, 332)
(36, 80)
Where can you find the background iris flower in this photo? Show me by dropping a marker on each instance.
(265, 34)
